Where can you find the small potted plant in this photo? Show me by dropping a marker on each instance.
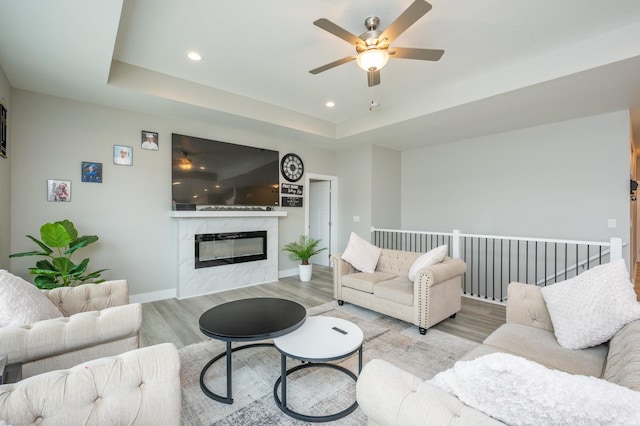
(302, 250)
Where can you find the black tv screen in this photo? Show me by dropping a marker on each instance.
(212, 173)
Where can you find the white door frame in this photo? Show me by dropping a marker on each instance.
(334, 206)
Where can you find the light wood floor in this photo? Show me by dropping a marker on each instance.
(176, 321)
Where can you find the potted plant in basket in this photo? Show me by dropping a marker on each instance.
(302, 250)
(59, 241)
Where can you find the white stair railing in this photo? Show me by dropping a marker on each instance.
(494, 261)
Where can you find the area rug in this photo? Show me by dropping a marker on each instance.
(312, 391)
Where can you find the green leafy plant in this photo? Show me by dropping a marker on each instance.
(59, 241)
(303, 249)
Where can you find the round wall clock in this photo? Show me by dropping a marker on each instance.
(291, 167)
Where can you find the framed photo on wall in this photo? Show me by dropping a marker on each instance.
(149, 140)
(122, 155)
(59, 190)
(3, 131)
(91, 172)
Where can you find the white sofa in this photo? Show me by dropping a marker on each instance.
(391, 396)
(434, 295)
(140, 387)
(97, 321)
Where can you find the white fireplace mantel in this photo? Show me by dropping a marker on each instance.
(227, 213)
(194, 282)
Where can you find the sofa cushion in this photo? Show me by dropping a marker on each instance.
(516, 390)
(541, 346)
(623, 360)
(399, 290)
(431, 257)
(361, 254)
(22, 303)
(364, 282)
(590, 308)
(396, 261)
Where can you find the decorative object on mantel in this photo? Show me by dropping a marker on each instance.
(292, 167)
(59, 190)
(59, 241)
(150, 140)
(3, 130)
(302, 250)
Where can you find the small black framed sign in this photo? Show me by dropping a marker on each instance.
(291, 202)
(290, 189)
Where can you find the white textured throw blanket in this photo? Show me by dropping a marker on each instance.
(517, 391)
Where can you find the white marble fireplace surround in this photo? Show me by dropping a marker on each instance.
(195, 282)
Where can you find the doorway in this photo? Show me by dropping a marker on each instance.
(321, 214)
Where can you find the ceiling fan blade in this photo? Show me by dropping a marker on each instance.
(332, 65)
(373, 78)
(411, 53)
(337, 31)
(414, 12)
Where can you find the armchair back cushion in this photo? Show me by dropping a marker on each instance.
(89, 297)
(140, 387)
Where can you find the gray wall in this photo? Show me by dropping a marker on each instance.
(130, 210)
(562, 180)
(385, 188)
(354, 196)
(5, 177)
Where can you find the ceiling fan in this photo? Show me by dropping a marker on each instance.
(372, 46)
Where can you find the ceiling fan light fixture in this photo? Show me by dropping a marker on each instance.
(372, 59)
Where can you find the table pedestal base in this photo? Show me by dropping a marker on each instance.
(225, 399)
(282, 402)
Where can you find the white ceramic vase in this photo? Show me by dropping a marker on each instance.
(305, 272)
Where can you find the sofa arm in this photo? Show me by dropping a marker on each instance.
(140, 387)
(89, 297)
(389, 396)
(59, 335)
(340, 268)
(441, 272)
(525, 305)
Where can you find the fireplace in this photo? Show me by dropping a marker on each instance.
(229, 248)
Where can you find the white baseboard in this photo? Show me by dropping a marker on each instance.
(152, 296)
(287, 273)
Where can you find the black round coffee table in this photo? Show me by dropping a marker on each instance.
(247, 320)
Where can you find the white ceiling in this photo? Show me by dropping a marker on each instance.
(507, 64)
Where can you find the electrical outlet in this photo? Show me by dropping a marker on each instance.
(611, 223)
(356, 218)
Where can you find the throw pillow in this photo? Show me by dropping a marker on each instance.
(590, 308)
(361, 254)
(22, 303)
(518, 391)
(431, 257)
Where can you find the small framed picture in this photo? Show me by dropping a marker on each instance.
(59, 190)
(91, 172)
(149, 140)
(122, 155)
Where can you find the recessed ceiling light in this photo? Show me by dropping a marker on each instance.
(194, 56)
(330, 104)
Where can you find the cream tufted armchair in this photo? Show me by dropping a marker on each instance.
(98, 321)
(140, 387)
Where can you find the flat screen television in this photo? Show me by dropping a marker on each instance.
(212, 173)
